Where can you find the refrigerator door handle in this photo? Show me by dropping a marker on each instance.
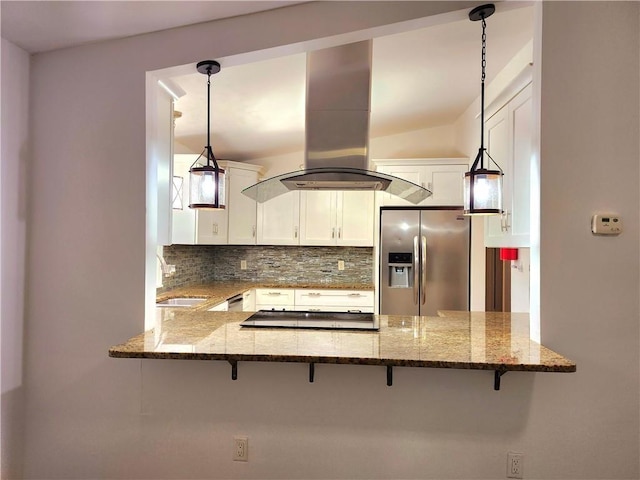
(423, 269)
(416, 278)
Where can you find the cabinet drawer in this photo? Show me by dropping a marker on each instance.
(274, 296)
(335, 308)
(335, 298)
(271, 306)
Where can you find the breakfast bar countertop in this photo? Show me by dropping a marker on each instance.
(459, 340)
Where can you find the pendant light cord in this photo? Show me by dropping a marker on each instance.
(209, 150)
(484, 65)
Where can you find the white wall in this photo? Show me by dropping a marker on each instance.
(13, 184)
(89, 416)
(435, 142)
(520, 281)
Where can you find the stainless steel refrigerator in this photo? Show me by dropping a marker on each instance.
(424, 260)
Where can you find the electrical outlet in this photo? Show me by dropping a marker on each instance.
(243, 264)
(340, 264)
(240, 449)
(515, 464)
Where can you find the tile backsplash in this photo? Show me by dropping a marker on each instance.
(267, 264)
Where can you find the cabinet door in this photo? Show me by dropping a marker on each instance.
(318, 218)
(249, 301)
(183, 225)
(509, 143)
(355, 218)
(412, 173)
(521, 115)
(279, 220)
(497, 144)
(221, 307)
(445, 183)
(211, 227)
(242, 209)
(310, 299)
(275, 296)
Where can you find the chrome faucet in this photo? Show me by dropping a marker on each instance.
(167, 270)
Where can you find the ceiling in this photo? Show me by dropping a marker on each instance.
(40, 26)
(420, 79)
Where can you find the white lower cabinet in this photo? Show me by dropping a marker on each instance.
(334, 300)
(249, 301)
(275, 299)
(221, 307)
(314, 300)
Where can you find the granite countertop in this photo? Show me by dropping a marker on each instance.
(460, 340)
(218, 292)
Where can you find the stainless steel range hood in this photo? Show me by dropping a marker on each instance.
(337, 130)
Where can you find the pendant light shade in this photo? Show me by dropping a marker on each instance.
(205, 184)
(482, 186)
(206, 178)
(483, 192)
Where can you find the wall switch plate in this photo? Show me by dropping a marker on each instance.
(240, 449)
(606, 224)
(340, 264)
(515, 465)
(243, 264)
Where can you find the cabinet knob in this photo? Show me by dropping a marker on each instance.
(333, 233)
(295, 232)
(339, 232)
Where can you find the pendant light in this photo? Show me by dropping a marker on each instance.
(482, 186)
(206, 182)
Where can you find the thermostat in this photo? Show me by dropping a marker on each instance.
(606, 224)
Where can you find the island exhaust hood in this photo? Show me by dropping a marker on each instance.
(337, 131)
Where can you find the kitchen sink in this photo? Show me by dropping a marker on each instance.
(181, 302)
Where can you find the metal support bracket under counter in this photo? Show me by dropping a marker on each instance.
(491, 341)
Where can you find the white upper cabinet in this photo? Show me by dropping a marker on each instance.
(183, 225)
(279, 220)
(336, 218)
(355, 218)
(508, 141)
(236, 224)
(242, 209)
(212, 225)
(318, 218)
(442, 176)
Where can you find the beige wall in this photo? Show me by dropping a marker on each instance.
(89, 416)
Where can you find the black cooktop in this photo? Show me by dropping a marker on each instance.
(320, 320)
